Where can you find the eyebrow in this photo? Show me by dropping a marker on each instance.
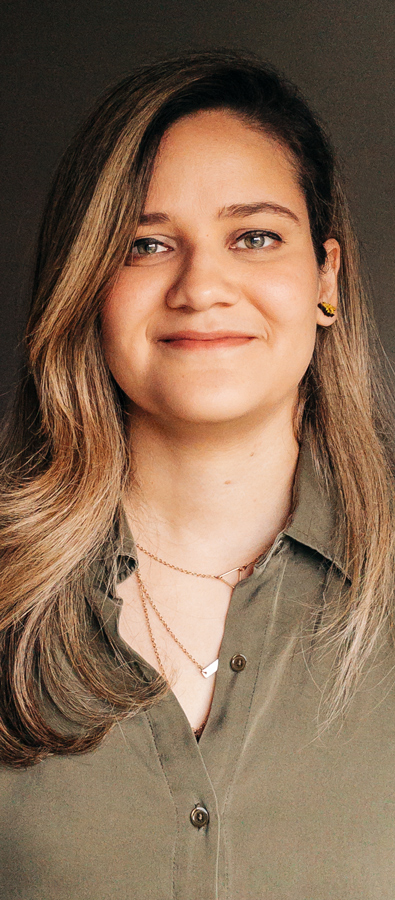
(154, 218)
(250, 209)
(236, 210)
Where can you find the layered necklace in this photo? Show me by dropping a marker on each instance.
(206, 671)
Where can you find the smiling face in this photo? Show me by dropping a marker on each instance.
(213, 317)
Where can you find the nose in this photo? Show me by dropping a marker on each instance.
(202, 282)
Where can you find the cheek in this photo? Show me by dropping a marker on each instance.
(111, 332)
(126, 323)
(123, 318)
(288, 302)
(288, 295)
(118, 334)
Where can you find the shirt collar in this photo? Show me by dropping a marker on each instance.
(117, 558)
(313, 522)
(127, 553)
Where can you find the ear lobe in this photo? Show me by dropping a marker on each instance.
(328, 294)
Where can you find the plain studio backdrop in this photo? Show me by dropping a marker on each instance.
(58, 56)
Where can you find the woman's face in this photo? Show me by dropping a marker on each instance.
(213, 317)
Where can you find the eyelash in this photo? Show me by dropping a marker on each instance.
(253, 233)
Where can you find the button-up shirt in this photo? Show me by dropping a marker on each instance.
(266, 805)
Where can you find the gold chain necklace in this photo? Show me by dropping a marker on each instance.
(206, 671)
(221, 577)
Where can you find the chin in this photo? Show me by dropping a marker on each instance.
(215, 411)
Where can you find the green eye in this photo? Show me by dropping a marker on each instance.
(257, 240)
(145, 247)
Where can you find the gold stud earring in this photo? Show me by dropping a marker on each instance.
(327, 309)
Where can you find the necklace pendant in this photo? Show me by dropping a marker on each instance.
(230, 571)
(210, 670)
(237, 569)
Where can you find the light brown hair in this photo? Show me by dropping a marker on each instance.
(64, 455)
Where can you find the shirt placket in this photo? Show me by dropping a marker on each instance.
(199, 776)
(196, 848)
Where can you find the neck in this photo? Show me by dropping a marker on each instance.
(210, 501)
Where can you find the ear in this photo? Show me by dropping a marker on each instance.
(327, 292)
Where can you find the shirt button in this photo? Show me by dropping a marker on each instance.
(199, 816)
(238, 662)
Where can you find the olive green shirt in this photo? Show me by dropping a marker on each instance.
(264, 806)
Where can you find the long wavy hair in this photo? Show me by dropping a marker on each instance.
(64, 456)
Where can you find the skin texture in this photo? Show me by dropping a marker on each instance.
(208, 330)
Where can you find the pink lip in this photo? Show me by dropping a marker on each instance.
(198, 340)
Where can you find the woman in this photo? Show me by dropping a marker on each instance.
(198, 376)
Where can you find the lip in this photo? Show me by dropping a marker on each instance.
(205, 340)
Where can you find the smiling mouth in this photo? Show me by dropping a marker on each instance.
(195, 340)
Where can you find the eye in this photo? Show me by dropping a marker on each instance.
(257, 240)
(143, 248)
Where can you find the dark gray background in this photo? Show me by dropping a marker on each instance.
(57, 57)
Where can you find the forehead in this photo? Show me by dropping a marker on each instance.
(215, 157)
